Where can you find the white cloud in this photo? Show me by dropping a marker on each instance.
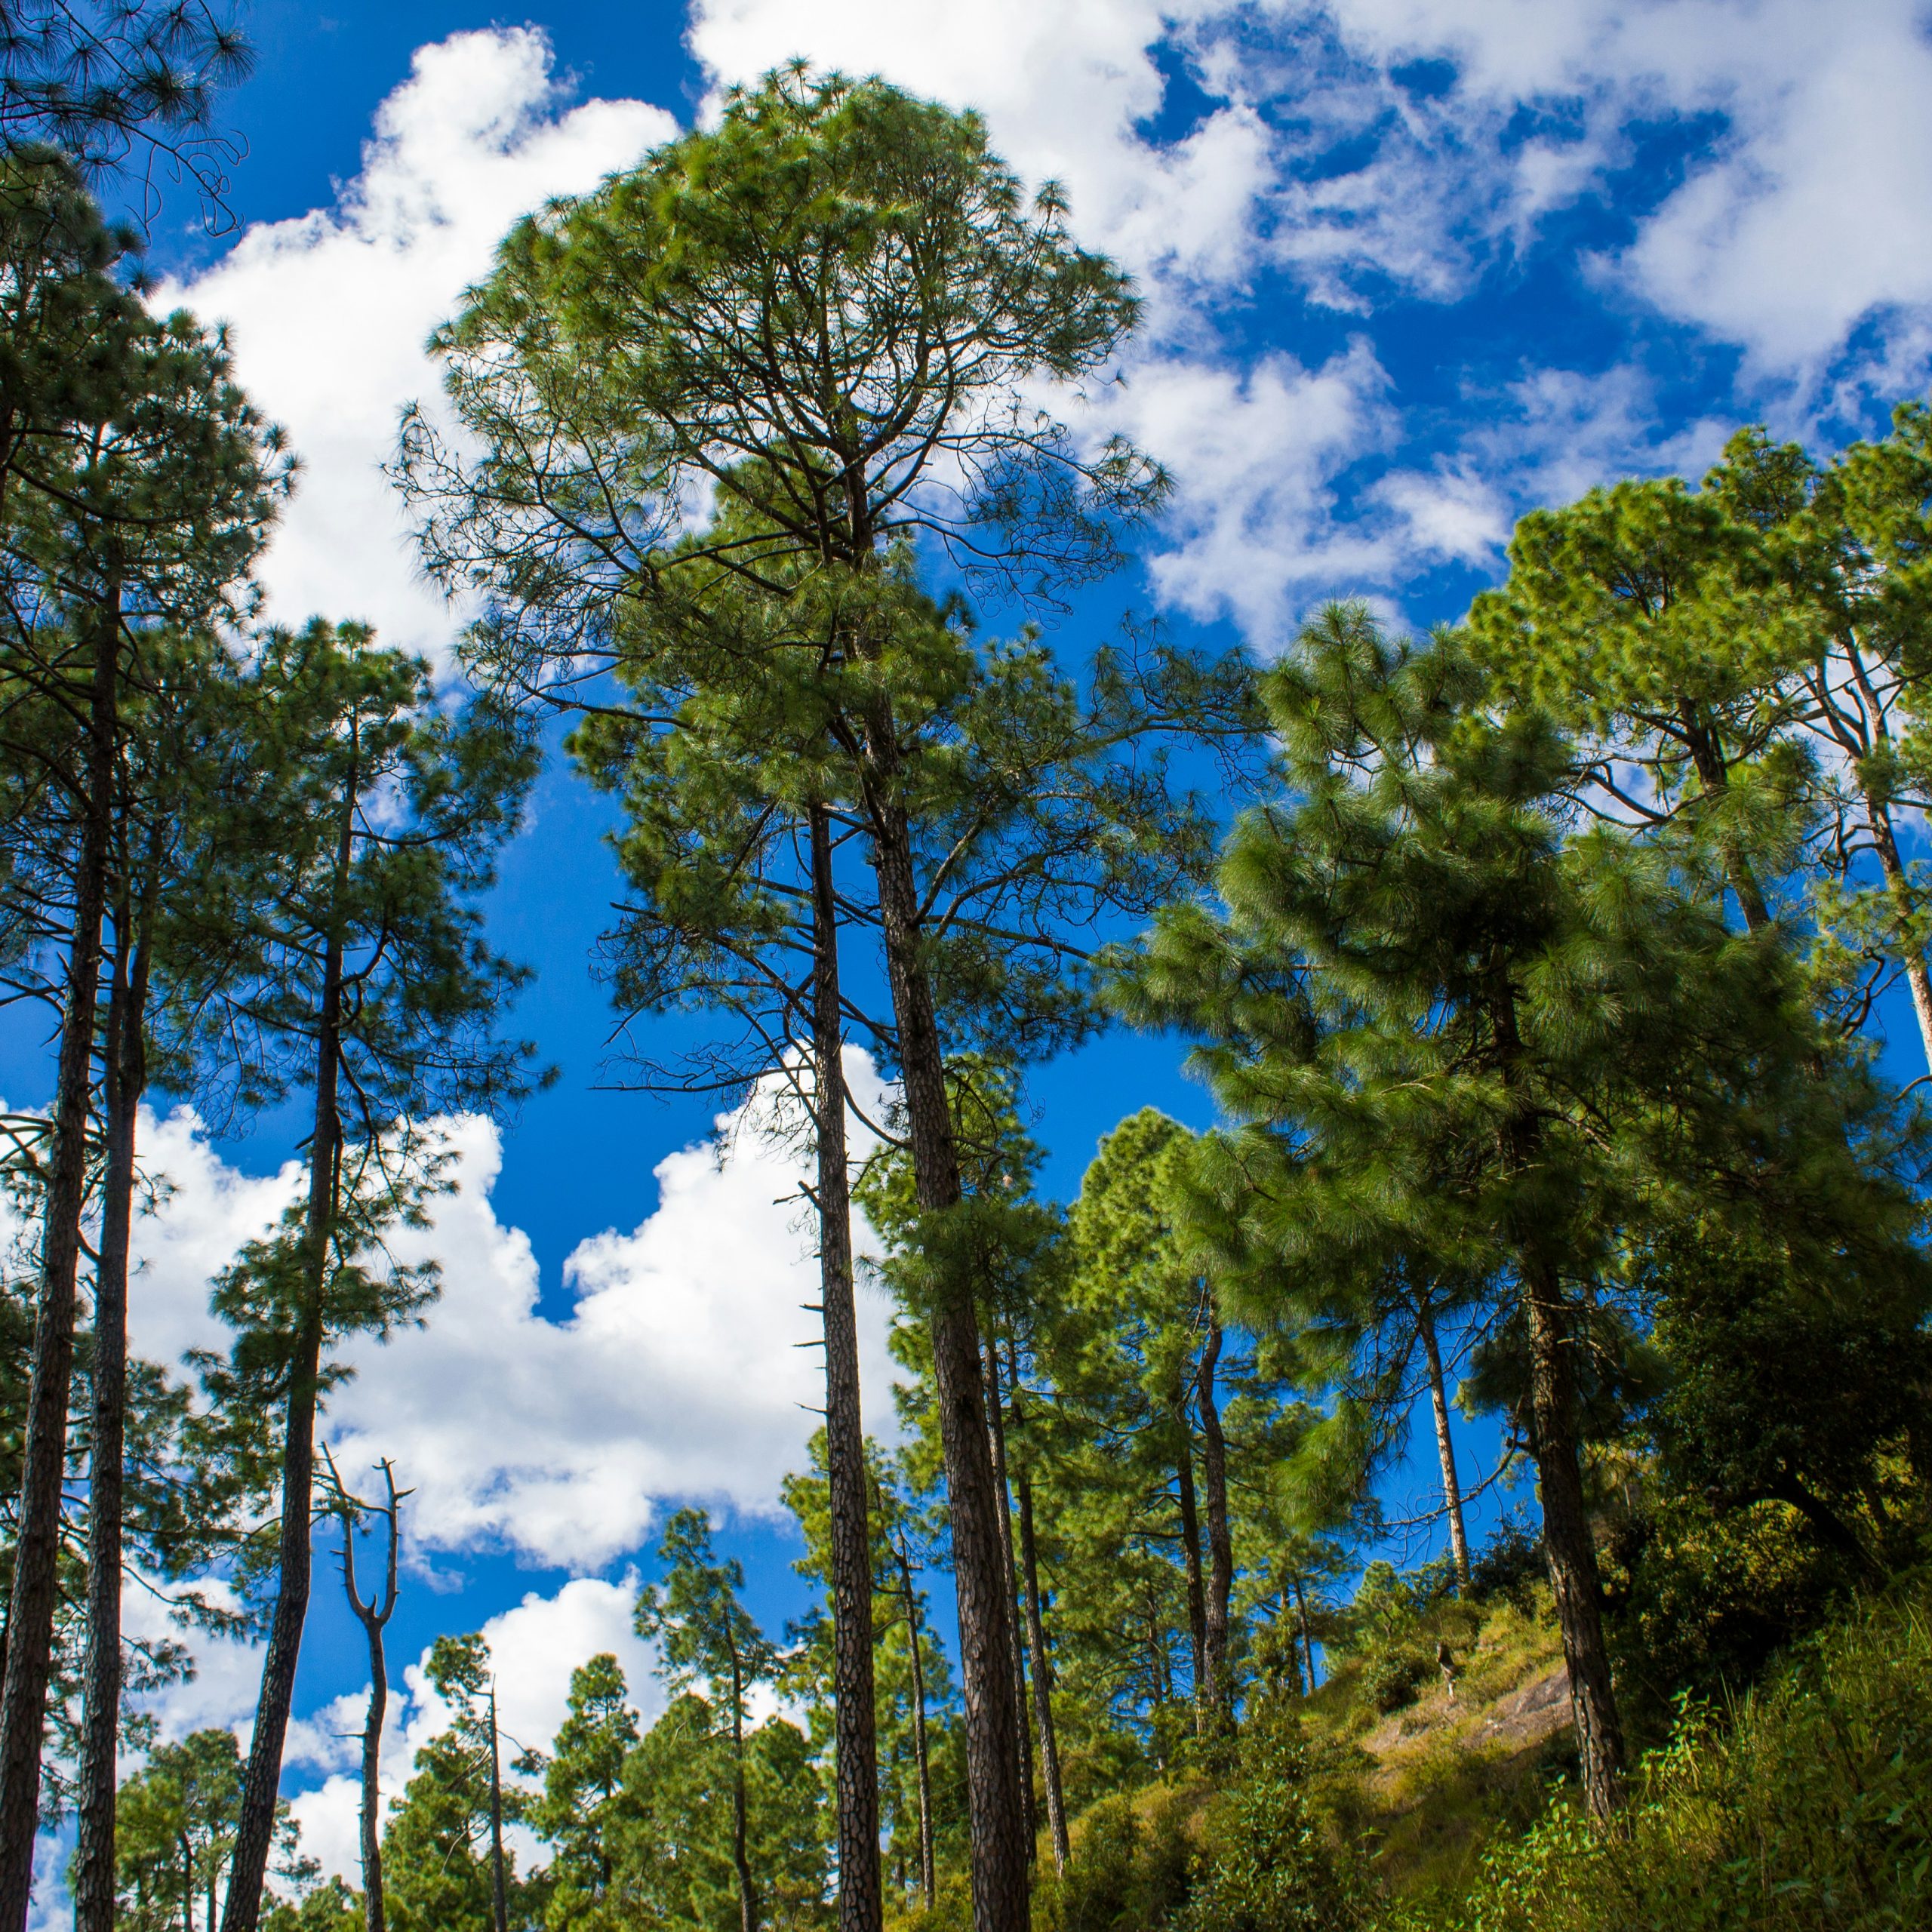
(1253, 532)
(533, 1648)
(328, 313)
(1810, 213)
(1063, 85)
(685, 1368)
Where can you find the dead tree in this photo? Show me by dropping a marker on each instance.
(373, 1615)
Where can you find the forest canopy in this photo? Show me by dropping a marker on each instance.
(1536, 969)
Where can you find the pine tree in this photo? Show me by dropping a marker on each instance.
(363, 976)
(708, 1638)
(585, 1808)
(1459, 1033)
(629, 332)
(139, 487)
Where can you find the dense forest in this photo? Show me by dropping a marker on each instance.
(1538, 969)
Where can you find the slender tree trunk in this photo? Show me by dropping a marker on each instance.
(1307, 1641)
(994, 1802)
(1445, 1450)
(996, 1424)
(499, 1901)
(1043, 1702)
(37, 1543)
(1566, 1538)
(124, 1076)
(1912, 957)
(254, 1833)
(861, 1904)
(924, 1765)
(741, 1861)
(1714, 775)
(187, 1886)
(373, 1615)
(1190, 1552)
(1221, 1547)
(1567, 1542)
(373, 1916)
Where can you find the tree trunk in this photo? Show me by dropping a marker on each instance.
(373, 1615)
(37, 1544)
(254, 1831)
(1307, 1641)
(996, 1424)
(1190, 1552)
(1912, 957)
(1445, 1450)
(1043, 1702)
(861, 1904)
(372, 1781)
(124, 1076)
(1708, 759)
(1221, 1547)
(998, 1818)
(925, 1764)
(741, 1861)
(1566, 1539)
(500, 1902)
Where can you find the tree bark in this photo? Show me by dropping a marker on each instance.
(741, 1861)
(861, 1902)
(1307, 1640)
(1913, 957)
(1221, 1547)
(927, 1880)
(124, 1078)
(1567, 1542)
(254, 1831)
(1190, 1552)
(373, 1615)
(1002, 1483)
(1043, 1702)
(1445, 1450)
(500, 1902)
(1000, 1888)
(37, 1545)
(1566, 1538)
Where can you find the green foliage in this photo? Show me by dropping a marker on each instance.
(1132, 1867)
(1269, 1862)
(1806, 1806)
(582, 1811)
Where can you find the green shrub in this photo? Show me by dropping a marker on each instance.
(1129, 1870)
(1807, 1809)
(1268, 1863)
(1391, 1678)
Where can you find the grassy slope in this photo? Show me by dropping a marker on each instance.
(1804, 1807)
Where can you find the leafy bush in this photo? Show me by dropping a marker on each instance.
(1270, 1863)
(1129, 1870)
(1808, 1809)
(1509, 1564)
(1390, 1678)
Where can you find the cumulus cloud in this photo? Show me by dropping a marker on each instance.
(684, 1366)
(534, 1647)
(1811, 212)
(1255, 530)
(328, 313)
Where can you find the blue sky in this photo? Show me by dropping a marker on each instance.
(1411, 266)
